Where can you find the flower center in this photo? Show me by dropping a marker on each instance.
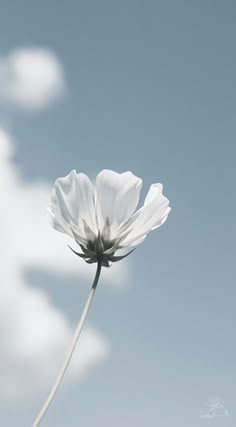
(100, 244)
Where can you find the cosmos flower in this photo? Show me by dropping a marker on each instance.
(101, 218)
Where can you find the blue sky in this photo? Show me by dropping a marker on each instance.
(150, 87)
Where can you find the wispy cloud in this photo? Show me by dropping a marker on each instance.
(31, 78)
(34, 335)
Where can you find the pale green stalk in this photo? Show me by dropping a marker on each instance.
(71, 349)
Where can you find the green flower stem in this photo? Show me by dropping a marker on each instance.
(71, 349)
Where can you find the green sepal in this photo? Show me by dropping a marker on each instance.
(77, 253)
(119, 258)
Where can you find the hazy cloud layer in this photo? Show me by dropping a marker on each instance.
(34, 335)
(31, 78)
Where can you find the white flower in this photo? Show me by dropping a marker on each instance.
(101, 219)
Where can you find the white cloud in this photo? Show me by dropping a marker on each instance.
(30, 78)
(33, 333)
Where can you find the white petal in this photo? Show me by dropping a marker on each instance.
(86, 202)
(117, 197)
(150, 216)
(72, 201)
(56, 220)
(135, 242)
(153, 192)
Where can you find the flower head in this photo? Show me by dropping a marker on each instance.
(101, 219)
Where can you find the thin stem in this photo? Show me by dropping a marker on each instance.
(71, 349)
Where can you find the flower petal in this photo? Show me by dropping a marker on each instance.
(56, 220)
(117, 197)
(72, 203)
(150, 216)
